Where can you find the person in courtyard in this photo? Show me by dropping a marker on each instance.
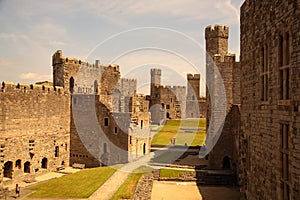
(17, 190)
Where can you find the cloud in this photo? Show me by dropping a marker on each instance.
(34, 77)
(57, 43)
(14, 37)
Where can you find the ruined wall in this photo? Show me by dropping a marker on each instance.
(166, 102)
(270, 122)
(224, 153)
(34, 126)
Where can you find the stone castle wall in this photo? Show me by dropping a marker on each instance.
(224, 153)
(270, 94)
(35, 125)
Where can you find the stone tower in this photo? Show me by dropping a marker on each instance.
(217, 40)
(223, 95)
(193, 96)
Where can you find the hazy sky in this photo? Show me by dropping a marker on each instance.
(137, 35)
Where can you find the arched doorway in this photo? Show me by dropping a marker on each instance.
(27, 167)
(71, 84)
(44, 163)
(144, 148)
(226, 162)
(8, 167)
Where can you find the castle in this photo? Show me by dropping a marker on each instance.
(175, 102)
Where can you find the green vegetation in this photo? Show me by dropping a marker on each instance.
(78, 185)
(172, 173)
(186, 131)
(127, 189)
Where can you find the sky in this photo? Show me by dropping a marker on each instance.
(137, 35)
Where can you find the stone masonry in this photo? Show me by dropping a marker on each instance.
(269, 160)
(224, 153)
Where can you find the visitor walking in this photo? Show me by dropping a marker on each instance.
(17, 190)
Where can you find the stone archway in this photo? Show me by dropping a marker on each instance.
(8, 169)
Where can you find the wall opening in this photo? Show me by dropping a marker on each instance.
(168, 115)
(144, 148)
(71, 84)
(8, 169)
(44, 163)
(226, 162)
(56, 152)
(104, 148)
(18, 164)
(96, 86)
(27, 167)
(105, 121)
(142, 124)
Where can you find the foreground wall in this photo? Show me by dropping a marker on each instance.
(34, 129)
(270, 139)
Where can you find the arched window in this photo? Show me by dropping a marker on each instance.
(8, 168)
(71, 84)
(18, 164)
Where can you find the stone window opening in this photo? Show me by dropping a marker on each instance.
(104, 148)
(264, 74)
(284, 65)
(18, 164)
(105, 121)
(44, 163)
(71, 84)
(284, 161)
(27, 167)
(8, 169)
(56, 152)
(130, 140)
(144, 148)
(96, 86)
(167, 106)
(142, 123)
(116, 130)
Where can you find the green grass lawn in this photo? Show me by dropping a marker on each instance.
(127, 189)
(78, 185)
(172, 173)
(182, 130)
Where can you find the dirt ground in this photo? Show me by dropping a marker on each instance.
(190, 191)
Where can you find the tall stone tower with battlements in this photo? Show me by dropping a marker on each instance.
(195, 106)
(224, 153)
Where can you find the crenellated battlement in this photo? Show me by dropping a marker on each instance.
(193, 77)
(229, 58)
(58, 58)
(128, 80)
(8, 87)
(156, 71)
(216, 31)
